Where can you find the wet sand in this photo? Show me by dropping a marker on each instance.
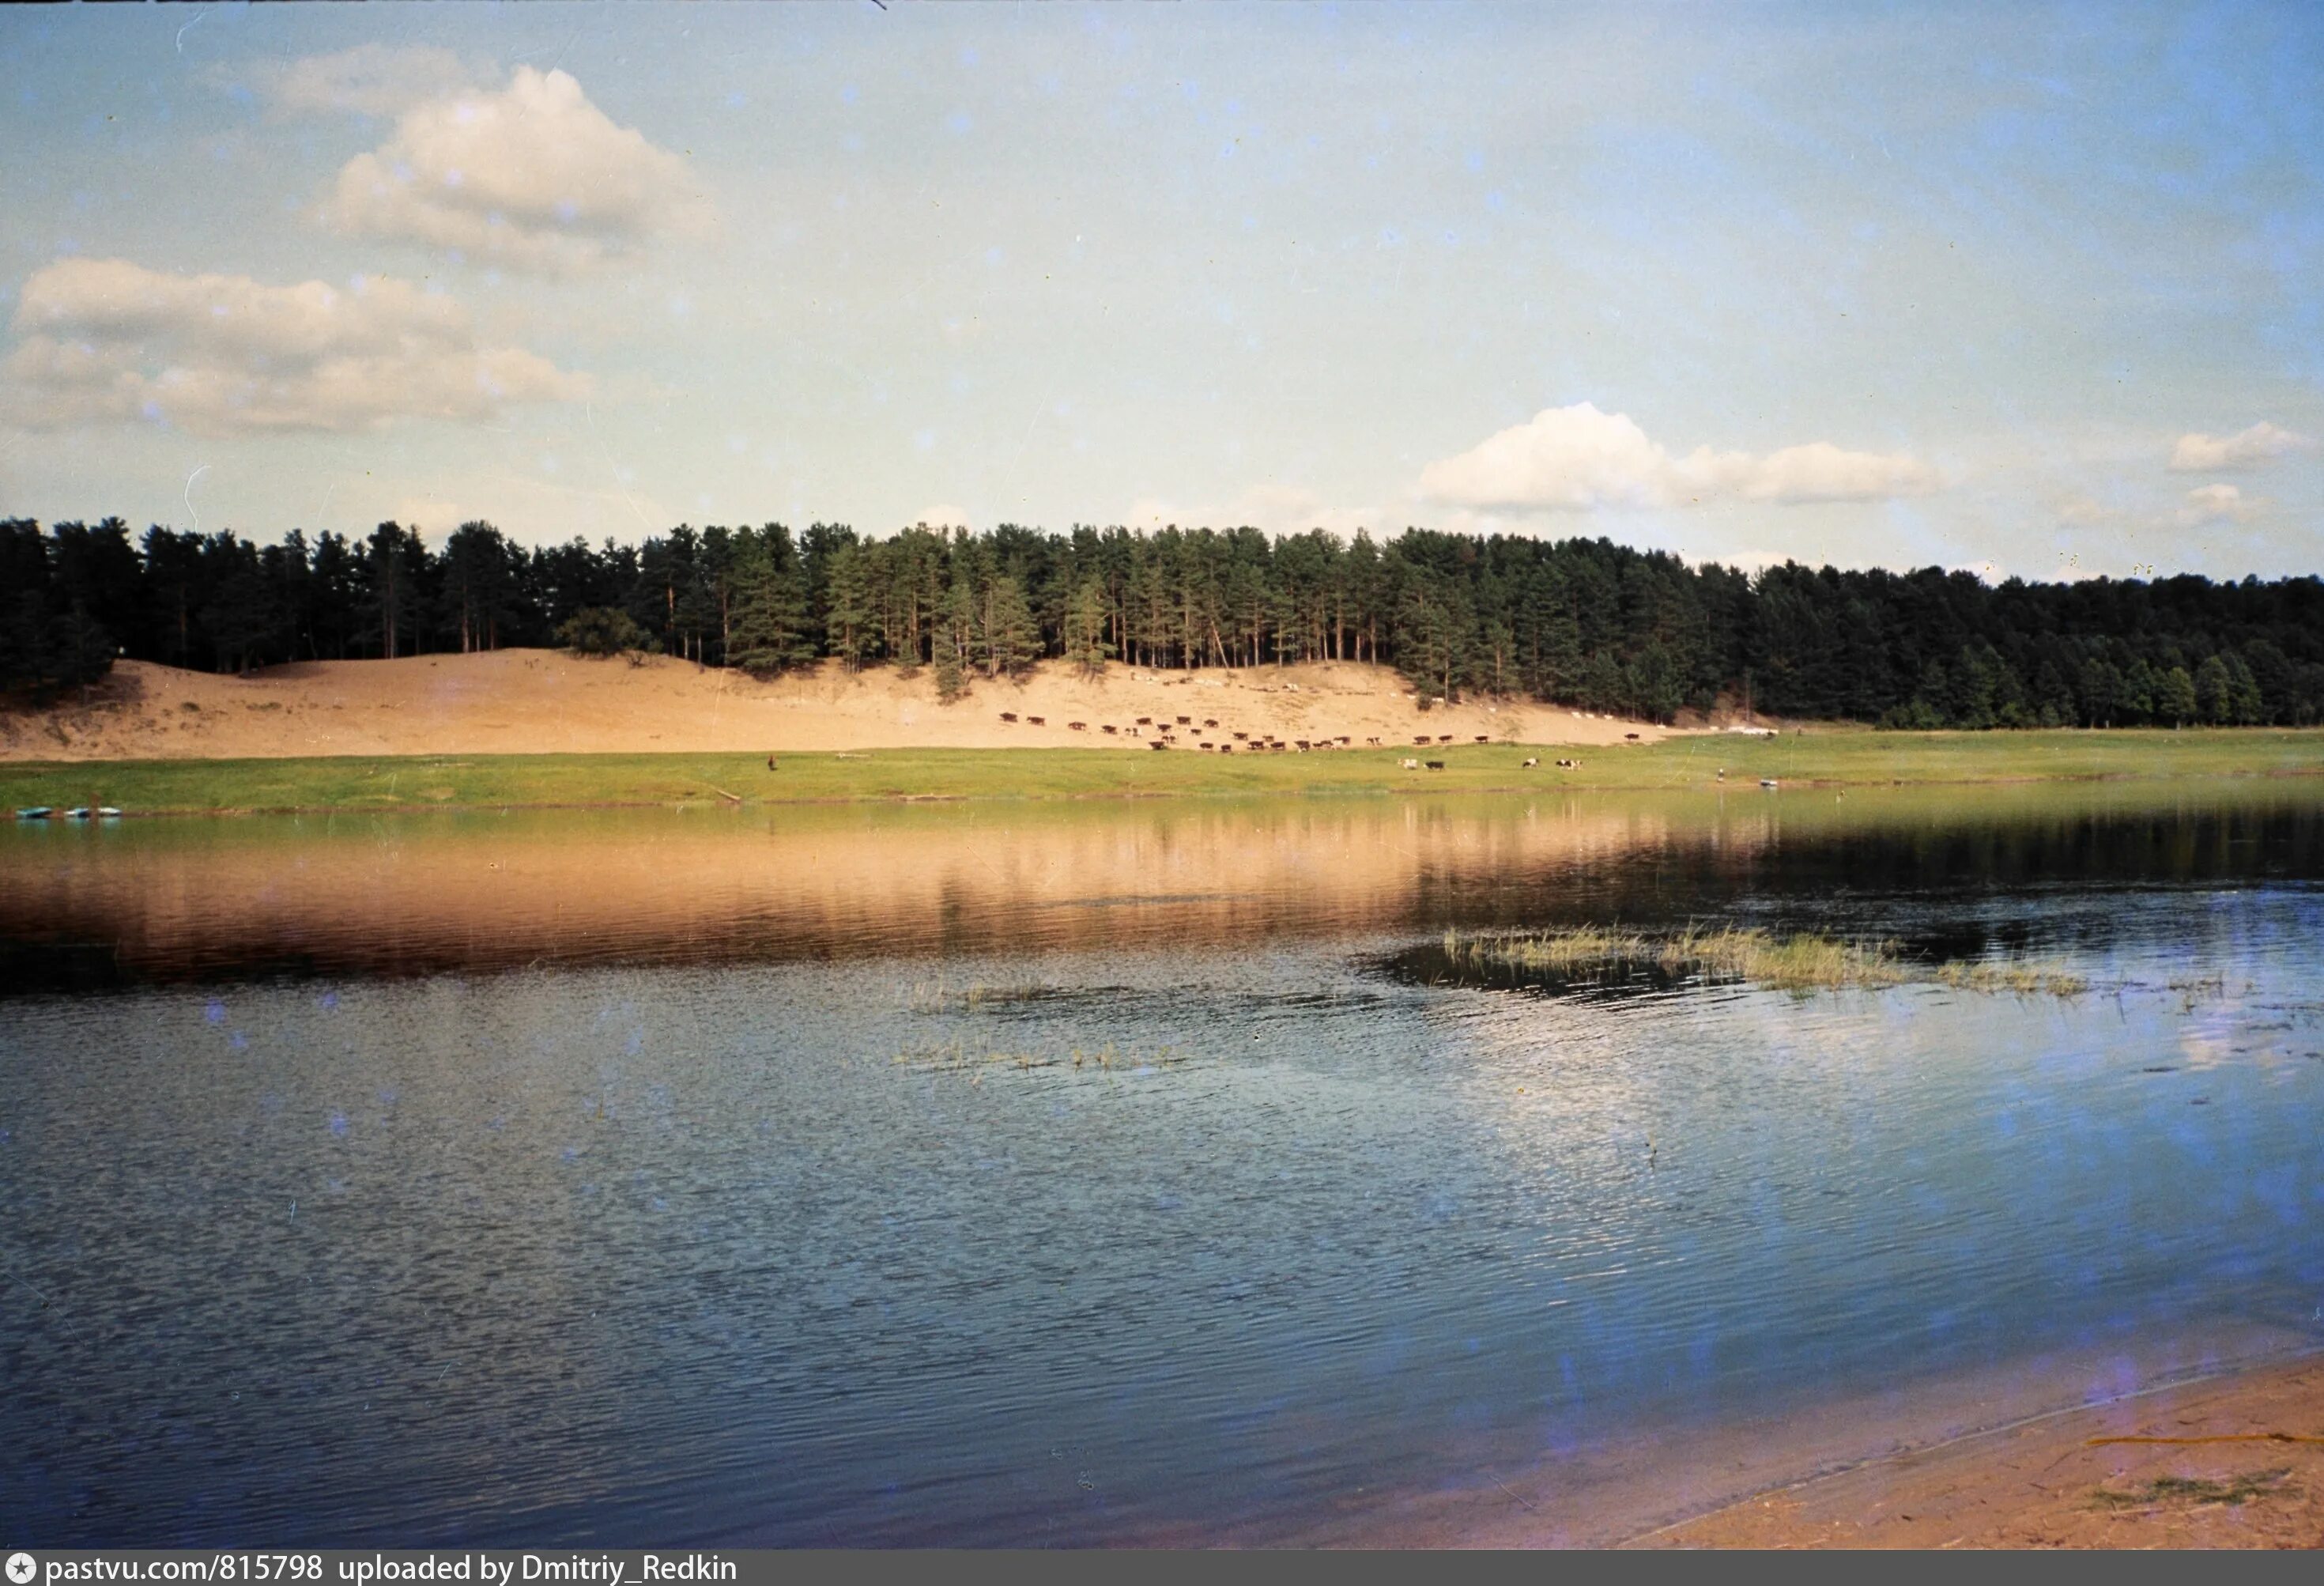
(2233, 1474)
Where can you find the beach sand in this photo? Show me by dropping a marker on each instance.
(548, 702)
(2047, 1484)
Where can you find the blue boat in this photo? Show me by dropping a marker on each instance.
(39, 812)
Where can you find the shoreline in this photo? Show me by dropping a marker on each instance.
(2017, 1454)
(2229, 1458)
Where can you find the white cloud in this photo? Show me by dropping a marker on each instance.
(1577, 458)
(104, 340)
(370, 79)
(2256, 448)
(2218, 504)
(532, 176)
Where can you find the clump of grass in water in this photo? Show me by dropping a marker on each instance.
(2024, 978)
(1801, 962)
(2195, 1491)
(1795, 963)
(937, 997)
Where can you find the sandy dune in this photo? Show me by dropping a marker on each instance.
(544, 702)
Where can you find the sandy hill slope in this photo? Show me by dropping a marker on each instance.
(542, 702)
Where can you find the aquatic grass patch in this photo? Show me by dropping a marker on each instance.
(1800, 962)
(939, 996)
(2018, 977)
(1797, 962)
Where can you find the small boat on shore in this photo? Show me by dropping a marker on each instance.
(78, 812)
(1767, 782)
(106, 812)
(38, 812)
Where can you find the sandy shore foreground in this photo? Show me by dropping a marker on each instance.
(2236, 1476)
(548, 702)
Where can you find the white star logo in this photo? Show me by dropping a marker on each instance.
(20, 1568)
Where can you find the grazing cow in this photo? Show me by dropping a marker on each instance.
(1077, 726)
(1435, 765)
(1302, 743)
(1240, 736)
(1185, 721)
(1373, 742)
(1209, 721)
(1108, 729)
(1631, 737)
(1008, 716)
(1483, 739)
(771, 762)
(1207, 748)
(1277, 748)
(1446, 739)
(1146, 721)
(1424, 738)
(1408, 763)
(1533, 763)
(1345, 739)
(1159, 743)
(1038, 721)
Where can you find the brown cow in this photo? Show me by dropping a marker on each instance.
(1008, 716)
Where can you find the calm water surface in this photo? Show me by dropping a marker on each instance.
(992, 1175)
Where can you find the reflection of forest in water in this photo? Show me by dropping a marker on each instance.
(165, 900)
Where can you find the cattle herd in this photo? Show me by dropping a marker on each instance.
(1207, 736)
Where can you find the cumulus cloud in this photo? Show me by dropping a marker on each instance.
(104, 340)
(2256, 448)
(1577, 458)
(2218, 503)
(532, 176)
(370, 79)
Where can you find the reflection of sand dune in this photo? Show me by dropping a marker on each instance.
(485, 890)
(410, 893)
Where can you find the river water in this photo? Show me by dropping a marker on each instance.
(1104, 1173)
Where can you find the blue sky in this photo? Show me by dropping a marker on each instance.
(2026, 289)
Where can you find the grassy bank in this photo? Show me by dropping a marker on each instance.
(1818, 758)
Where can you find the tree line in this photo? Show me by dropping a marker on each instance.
(1582, 622)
